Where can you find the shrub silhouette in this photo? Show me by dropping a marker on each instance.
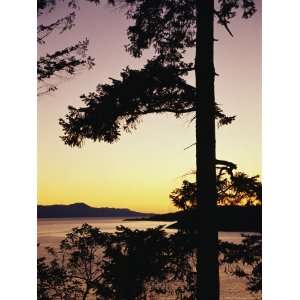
(75, 270)
(135, 264)
(244, 260)
(233, 188)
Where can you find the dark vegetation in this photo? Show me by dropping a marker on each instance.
(145, 264)
(247, 219)
(244, 260)
(136, 264)
(233, 189)
(239, 199)
(53, 68)
(170, 28)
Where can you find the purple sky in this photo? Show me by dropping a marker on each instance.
(141, 169)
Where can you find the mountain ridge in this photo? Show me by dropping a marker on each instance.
(78, 210)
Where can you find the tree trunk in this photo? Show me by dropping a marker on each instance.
(207, 253)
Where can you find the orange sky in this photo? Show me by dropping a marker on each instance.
(141, 169)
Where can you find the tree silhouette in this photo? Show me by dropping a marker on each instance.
(64, 62)
(233, 188)
(170, 27)
(120, 105)
(244, 260)
(75, 271)
(136, 264)
(128, 265)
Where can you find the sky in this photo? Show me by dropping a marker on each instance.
(142, 168)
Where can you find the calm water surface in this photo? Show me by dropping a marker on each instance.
(57, 228)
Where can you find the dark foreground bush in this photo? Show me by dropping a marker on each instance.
(134, 265)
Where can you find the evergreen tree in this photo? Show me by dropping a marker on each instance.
(234, 188)
(244, 260)
(63, 62)
(170, 27)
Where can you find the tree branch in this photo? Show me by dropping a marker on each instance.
(223, 22)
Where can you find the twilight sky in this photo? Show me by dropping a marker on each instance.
(142, 168)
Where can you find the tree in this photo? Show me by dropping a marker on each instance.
(120, 105)
(137, 264)
(233, 188)
(64, 62)
(75, 271)
(127, 265)
(51, 280)
(244, 260)
(170, 27)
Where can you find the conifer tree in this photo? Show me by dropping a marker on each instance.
(63, 62)
(170, 27)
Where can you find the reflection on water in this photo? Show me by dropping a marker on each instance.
(57, 228)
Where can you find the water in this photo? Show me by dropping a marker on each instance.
(59, 227)
(52, 231)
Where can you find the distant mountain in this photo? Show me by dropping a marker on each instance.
(82, 210)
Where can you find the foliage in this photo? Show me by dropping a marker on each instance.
(240, 189)
(45, 6)
(170, 28)
(237, 188)
(120, 105)
(135, 264)
(51, 278)
(185, 196)
(244, 260)
(63, 24)
(233, 188)
(68, 61)
(54, 282)
(129, 264)
(75, 270)
(183, 256)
